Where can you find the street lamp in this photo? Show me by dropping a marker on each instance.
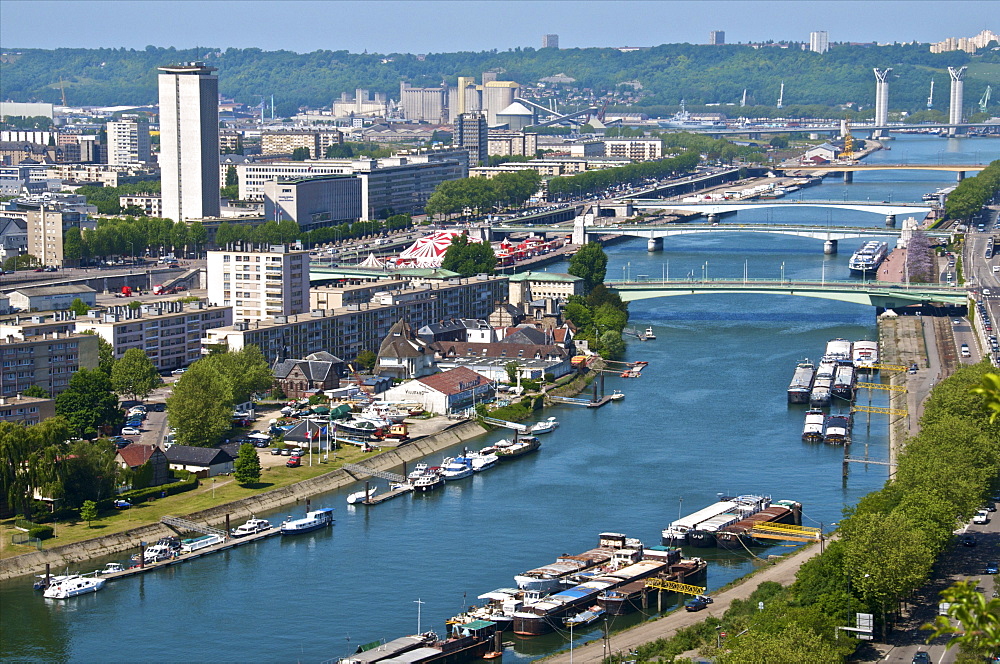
(782, 271)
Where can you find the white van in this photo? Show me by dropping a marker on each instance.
(964, 350)
(981, 517)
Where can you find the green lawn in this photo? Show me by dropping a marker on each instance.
(205, 496)
(985, 71)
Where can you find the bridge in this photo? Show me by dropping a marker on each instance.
(849, 169)
(876, 294)
(833, 128)
(715, 208)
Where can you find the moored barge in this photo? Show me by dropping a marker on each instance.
(740, 534)
(802, 380)
(632, 596)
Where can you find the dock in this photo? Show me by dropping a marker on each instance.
(379, 498)
(603, 400)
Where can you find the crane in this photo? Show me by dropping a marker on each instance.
(984, 102)
(781, 95)
(848, 153)
(930, 97)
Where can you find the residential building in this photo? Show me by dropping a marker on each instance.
(819, 42)
(491, 359)
(445, 393)
(46, 228)
(169, 333)
(46, 360)
(26, 410)
(230, 142)
(529, 286)
(189, 141)
(13, 237)
(967, 44)
(458, 329)
(202, 461)
(503, 142)
(348, 330)
(471, 134)
(13, 153)
(313, 202)
(550, 41)
(403, 354)
(586, 149)
(717, 37)
(422, 104)
(136, 455)
(634, 149)
(299, 379)
(107, 175)
(285, 142)
(151, 206)
(128, 141)
(335, 297)
(51, 298)
(259, 285)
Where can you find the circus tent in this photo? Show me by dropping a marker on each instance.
(429, 251)
(372, 262)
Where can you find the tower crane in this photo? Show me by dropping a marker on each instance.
(781, 95)
(930, 97)
(984, 102)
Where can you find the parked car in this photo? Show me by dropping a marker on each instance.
(697, 603)
(921, 657)
(276, 451)
(968, 539)
(131, 431)
(122, 504)
(178, 372)
(294, 462)
(981, 517)
(991, 567)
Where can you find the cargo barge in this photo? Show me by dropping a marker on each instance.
(843, 382)
(740, 534)
(812, 430)
(549, 577)
(468, 642)
(632, 596)
(802, 380)
(698, 529)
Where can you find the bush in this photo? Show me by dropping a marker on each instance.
(185, 482)
(41, 532)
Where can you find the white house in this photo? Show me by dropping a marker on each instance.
(444, 393)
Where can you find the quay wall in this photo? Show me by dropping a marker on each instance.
(294, 494)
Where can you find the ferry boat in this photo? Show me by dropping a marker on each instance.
(740, 534)
(321, 518)
(866, 260)
(813, 428)
(843, 382)
(73, 585)
(865, 356)
(703, 534)
(802, 380)
(837, 430)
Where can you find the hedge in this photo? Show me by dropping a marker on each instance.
(187, 482)
(41, 532)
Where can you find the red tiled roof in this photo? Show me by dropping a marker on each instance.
(136, 454)
(454, 381)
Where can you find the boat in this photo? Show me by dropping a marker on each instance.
(683, 120)
(813, 428)
(630, 597)
(510, 449)
(383, 411)
(680, 531)
(843, 382)
(157, 553)
(456, 469)
(837, 351)
(361, 496)
(428, 481)
(198, 543)
(837, 430)
(649, 334)
(549, 577)
(73, 585)
(361, 428)
(481, 462)
(865, 356)
(251, 527)
(820, 394)
(617, 395)
(802, 380)
(868, 257)
(314, 520)
(44, 582)
(545, 426)
(584, 618)
(418, 470)
(703, 534)
(468, 642)
(741, 534)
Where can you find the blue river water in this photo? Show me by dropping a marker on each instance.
(708, 416)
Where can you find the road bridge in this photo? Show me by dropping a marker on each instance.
(715, 208)
(849, 169)
(876, 294)
(835, 129)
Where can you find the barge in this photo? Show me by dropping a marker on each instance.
(468, 642)
(550, 577)
(689, 529)
(865, 356)
(838, 350)
(740, 534)
(802, 380)
(843, 383)
(812, 430)
(632, 596)
(703, 535)
(837, 430)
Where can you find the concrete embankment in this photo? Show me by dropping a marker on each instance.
(295, 494)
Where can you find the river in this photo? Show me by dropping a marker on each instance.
(708, 416)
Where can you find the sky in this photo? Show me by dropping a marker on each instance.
(433, 26)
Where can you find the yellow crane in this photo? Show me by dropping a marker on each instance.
(848, 153)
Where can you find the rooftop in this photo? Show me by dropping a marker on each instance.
(454, 381)
(544, 276)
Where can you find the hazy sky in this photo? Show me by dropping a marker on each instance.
(413, 26)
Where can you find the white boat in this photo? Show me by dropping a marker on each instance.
(868, 257)
(74, 585)
(157, 553)
(252, 527)
(456, 469)
(865, 355)
(616, 396)
(384, 411)
(314, 520)
(481, 462)
(649, 334)
(546, 426)
(198, 543)
(111, 568)
(418, 471)
(584, 618)
(361, 496)
(428, 482)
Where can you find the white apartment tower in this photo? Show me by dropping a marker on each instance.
(259, 285)
(550, 41)
(189, 141)
(128, 142)
(819, 42)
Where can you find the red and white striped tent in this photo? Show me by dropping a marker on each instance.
(429, 251)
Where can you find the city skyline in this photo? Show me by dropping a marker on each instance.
(411, 27)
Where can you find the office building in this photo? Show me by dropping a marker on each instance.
(259, 285)
(128, 142)
(189, 141)
(169, 333)
(717, 37)
(422, 104)
(313, 202)
(550, 41)
(819, 42)
(472, 135)
(47, 360)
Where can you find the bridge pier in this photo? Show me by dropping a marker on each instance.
(848, 177)
(961, 176)
(830, 247)
(890, 220)
(713, 218)
(654, 244)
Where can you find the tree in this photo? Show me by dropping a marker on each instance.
(779, 141)
(979, 619)
(29, 458)
(511, 369)
(469, 258)
(88, 512)
(367, 359)
(590, 263)
(73, 244)
(134, 374)
(232, 177)
(247, 466)
(88, 403)
(79, 307)
(246, 371)
(339, 151)
(22, 262)
(300, 154)
(88, 472)
(201, 407)
(612, 344)
(35, 391)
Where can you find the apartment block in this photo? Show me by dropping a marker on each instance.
(259, 285)
(47, 360)
(634, 149)
(26, 410)
(346, 331)
(169, 333)
(285, 142)
(471, 134)
(128, 142)
(152, 206)
(504, 142)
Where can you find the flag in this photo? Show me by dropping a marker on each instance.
(322, 431)
(309, 434)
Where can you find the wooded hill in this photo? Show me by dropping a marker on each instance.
(667, 73)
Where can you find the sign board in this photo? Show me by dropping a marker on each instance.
(866, 622)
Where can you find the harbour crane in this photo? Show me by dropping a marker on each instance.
(848, 153)
(983, 103)
(930, 97)
(781, 95)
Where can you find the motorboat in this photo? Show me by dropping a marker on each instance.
(418, 471)
(361, 496)
(481, 462)
(73, 585)
(509, 449)
(44, 582)
(617, 395)
(111, 568)
(321, 518)
(456, 469)
(251, 527)
(545, 426)
(649, 334)
(429, 481)
(384, 411)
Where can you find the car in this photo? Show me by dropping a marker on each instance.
(956, 321)
(52, 268)
(981, 517)
(921, 657)
(991, 567)
(121, 504)
(276, 451)
(131, 431)
(968, 539)
(260, 442)
(697, 603)
(990, 507)
(294, 462)
(286, 452)
(178, 372)
(298, 451)
(158, 407)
